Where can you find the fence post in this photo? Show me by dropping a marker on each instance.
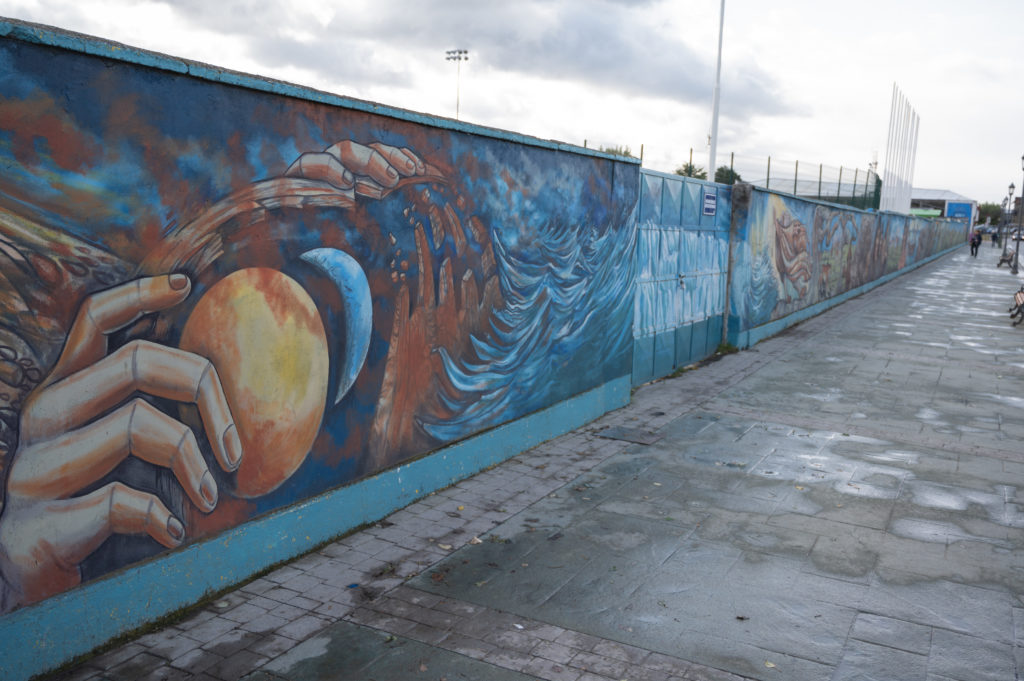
(796, 173)
(854, 202)
(839, 185)
(768, 177)
(820, 166)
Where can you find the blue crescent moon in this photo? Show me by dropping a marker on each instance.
(342, 269)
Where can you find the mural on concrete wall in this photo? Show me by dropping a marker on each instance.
(215, 302)
(794, 253)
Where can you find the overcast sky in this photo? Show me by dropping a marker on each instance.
(805, 80)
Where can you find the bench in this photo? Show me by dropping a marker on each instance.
(1006, 258)
(1017, 311)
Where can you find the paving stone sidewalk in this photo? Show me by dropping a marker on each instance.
(842, 501)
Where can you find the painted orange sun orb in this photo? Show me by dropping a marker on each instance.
(263, 333)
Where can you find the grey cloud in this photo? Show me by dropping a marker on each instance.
(611, 45)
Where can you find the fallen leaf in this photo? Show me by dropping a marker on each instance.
(742, 618)
(657, 484)
(475, 540)
(462, 508)
(446, 547)
(770, 665)
(423, 667)
(799, 486)
(518, 626)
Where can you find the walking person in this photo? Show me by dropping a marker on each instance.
(975, 242)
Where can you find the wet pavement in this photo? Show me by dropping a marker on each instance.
(843, 501)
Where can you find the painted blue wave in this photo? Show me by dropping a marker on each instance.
(755, 288)
(568, 299)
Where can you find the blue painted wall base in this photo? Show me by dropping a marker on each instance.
(45, 636)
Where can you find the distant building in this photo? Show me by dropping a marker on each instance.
(944, 203)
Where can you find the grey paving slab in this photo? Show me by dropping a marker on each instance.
(866, 661)
(348, 651)
(968, 658)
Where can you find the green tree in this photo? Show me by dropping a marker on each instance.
(690, 170)
(618, 151)
(990, 210)
(726, 175)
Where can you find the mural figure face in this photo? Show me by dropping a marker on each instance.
(791, 256)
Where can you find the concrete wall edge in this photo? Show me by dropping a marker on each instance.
(77, 42)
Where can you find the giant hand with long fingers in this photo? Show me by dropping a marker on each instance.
(83, 420)
(86, 417)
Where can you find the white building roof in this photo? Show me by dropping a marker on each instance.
(917, 194)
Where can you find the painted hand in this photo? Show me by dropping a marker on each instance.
(83, 420)
(371, 170)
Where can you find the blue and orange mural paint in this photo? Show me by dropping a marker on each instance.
(215, 302)
(791, 254)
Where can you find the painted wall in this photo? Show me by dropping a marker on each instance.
(792, 258)
(217, 301)
(682, 259)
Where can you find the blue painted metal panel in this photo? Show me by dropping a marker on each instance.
(664, 353)
(682, 261)
(643, 359)
(724, 217)
(684, 339)
(672, 203)
(650, 199)
(714, 337)
(691, 204)
(699, 340)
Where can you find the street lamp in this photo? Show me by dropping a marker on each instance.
(457, 56)
(1020, 226)
(1006, 222)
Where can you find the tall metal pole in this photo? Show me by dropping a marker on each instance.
(457, 56)
(1020, 227)
(890, 175)
(714, 107)
(1006, 219)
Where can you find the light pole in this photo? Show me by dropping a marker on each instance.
(457, 56)
(713, 137)
(1020, 226)
(1006, 221)
(1002, 224)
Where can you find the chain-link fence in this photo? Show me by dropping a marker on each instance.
(857, 187)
